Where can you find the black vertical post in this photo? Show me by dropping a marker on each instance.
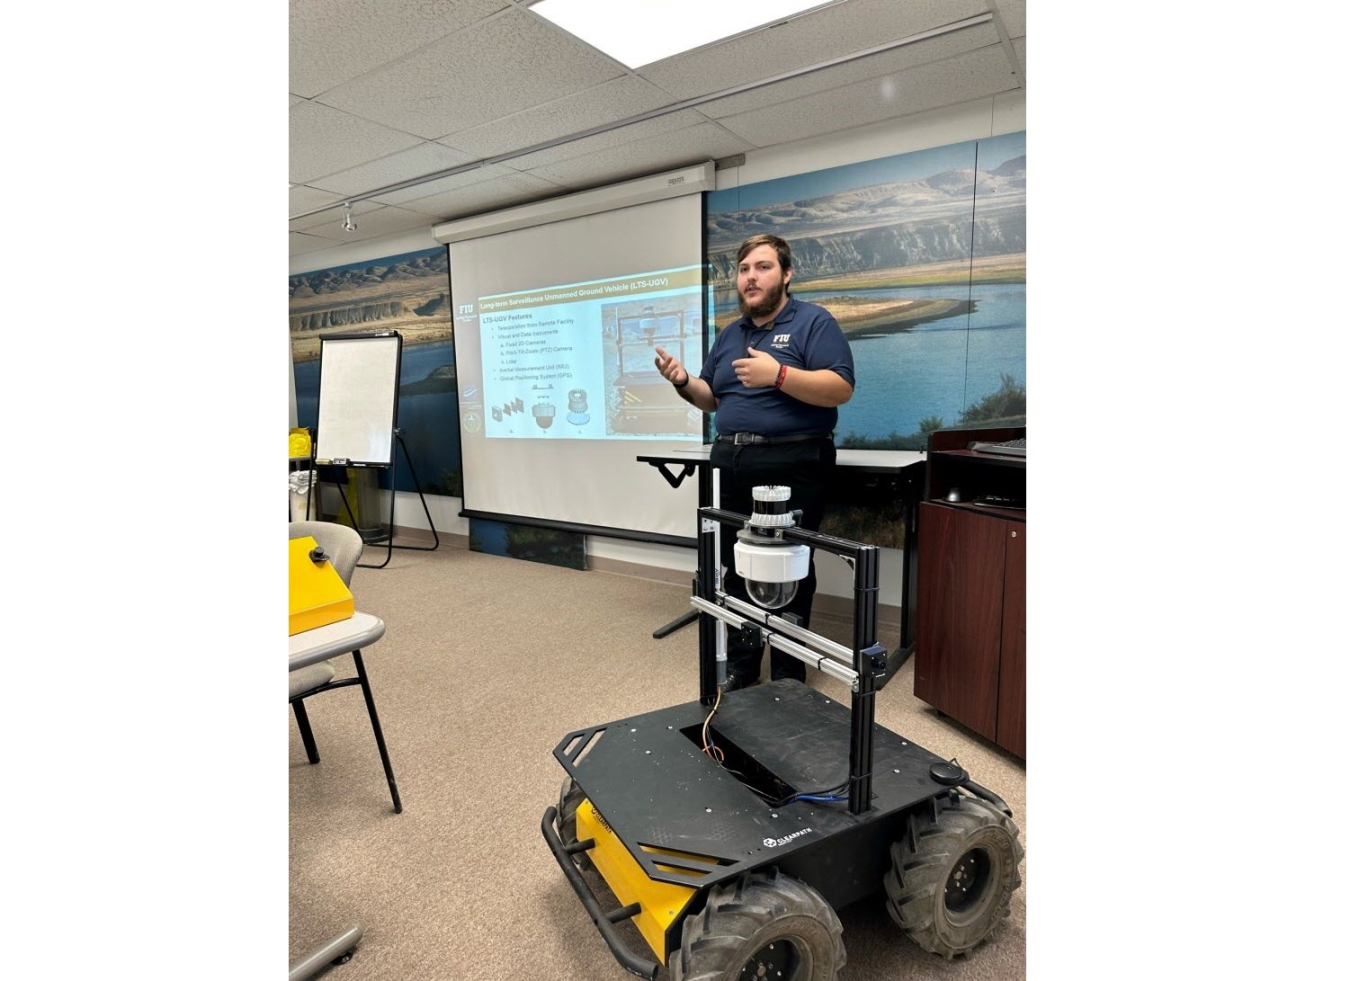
(705, 587)
(863, 716)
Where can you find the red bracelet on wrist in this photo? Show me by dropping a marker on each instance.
(782, 374)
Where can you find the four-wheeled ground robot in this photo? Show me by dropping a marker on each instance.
(731, 828)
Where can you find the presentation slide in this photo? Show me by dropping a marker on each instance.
(556, 331)
(577, 361)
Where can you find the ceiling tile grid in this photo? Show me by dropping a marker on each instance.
(334, 41)
(601, 104)
(494, 68)
(631, 133)
(899, 59)
(383, 91)
(466, 178)
(330, 215)
(425, 158)
(326, 140)
(960, 79)
(807, 40)
(1014, 14)
(503, 192)
(304, 198)
(369, 224)
(667, 151)
(300, 243)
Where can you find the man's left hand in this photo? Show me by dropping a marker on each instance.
(760, 370)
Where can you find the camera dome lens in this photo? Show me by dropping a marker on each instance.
(771, 595)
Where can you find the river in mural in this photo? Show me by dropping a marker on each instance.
(935, 370)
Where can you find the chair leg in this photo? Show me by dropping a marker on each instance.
(306, 733)
(379, 733)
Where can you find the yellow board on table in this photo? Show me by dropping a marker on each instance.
(318, 594)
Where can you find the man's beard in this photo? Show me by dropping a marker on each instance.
(769, 300)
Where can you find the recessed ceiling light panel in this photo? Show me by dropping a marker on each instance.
(640, 33)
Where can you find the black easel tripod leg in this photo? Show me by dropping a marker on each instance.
(683, 620)
(306, 733)
(389, 543)
(389, 547)
(379, 733)
(425, 510)
(346, 506)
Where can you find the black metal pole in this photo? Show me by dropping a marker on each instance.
(705, 587)
(862, 720)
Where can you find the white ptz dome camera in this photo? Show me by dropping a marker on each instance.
(770, 566)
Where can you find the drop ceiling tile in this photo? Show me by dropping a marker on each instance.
(295, 98)
(808, 40)
(441, 185)
(910, 56)
(372, 224)
(494, 68)
(960, 79)
(607, 102)
(1020, 46)
(504, 192)
(331, 215)
(706, 141)
(326, 140)
(333, 41)
(404, 165)
(604, 141)
(1014, 14)
(301, 243)
(303, 198)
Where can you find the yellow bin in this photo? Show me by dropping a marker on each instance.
(318, 594)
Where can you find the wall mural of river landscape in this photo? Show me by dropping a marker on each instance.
(921, 257)
(409, 293)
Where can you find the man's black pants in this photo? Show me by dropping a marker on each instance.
(806, 466)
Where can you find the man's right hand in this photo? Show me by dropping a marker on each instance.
(670, 368)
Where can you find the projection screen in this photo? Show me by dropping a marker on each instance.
(556, 330)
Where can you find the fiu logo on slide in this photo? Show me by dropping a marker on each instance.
(781, 340)
(776, 842)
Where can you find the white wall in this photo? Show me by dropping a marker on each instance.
(1004, 113)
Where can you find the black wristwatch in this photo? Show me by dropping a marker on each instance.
(686, 380)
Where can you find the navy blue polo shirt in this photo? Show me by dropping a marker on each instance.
(802, 336)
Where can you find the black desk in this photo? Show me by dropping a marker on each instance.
(896, 473)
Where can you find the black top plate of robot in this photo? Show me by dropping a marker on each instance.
(654, 786)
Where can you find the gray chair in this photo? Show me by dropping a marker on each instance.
(343, 546)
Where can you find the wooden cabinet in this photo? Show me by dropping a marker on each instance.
(970, 650)
(1012, 661)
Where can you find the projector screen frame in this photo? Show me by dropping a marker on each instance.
(601, 531)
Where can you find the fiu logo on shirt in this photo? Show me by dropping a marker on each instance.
(781, 340)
